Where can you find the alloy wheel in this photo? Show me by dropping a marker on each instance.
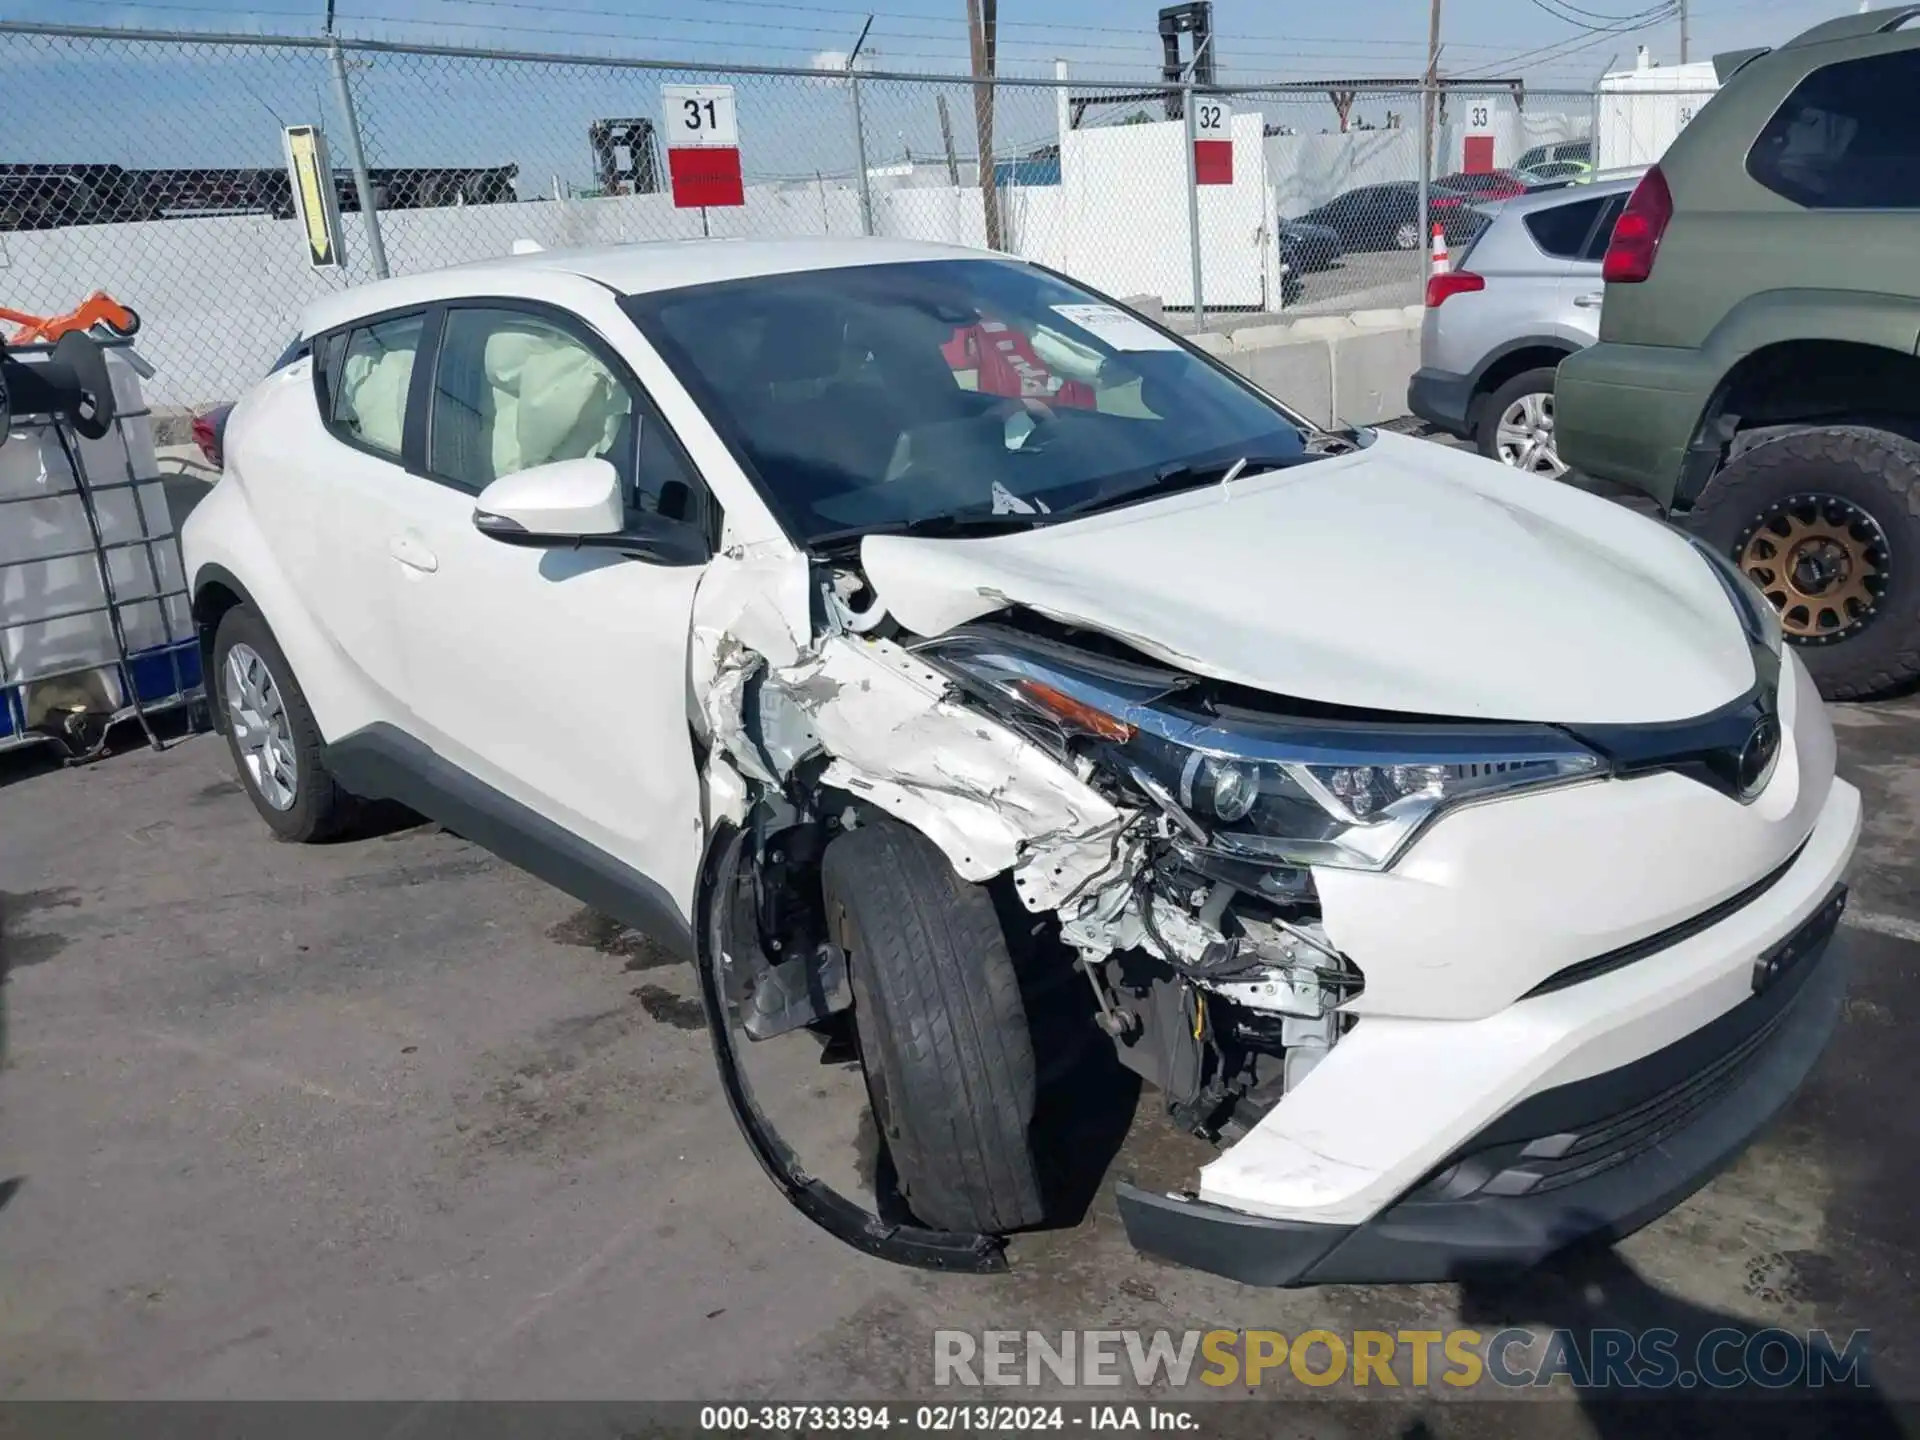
(1524, 436)
(1407, 236)
(262, 733)
(1820, 560)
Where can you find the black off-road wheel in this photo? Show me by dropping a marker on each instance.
(1827, 523)
(943, 1032)
(277, 750)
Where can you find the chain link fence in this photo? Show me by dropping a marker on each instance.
(173, 193)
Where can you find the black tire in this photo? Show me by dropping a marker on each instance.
(1486, 430)
(1875, 470)
(320, 808)
(943, 1031)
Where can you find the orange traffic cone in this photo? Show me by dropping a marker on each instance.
(1441, 263)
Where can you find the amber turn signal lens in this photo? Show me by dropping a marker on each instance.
(1075, 713)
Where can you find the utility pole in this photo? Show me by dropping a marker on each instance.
(1683, 32)
(982, 21)
(1429, 101)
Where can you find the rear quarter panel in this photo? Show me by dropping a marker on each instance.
(224, 538)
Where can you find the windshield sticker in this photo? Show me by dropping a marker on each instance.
(1113, 325)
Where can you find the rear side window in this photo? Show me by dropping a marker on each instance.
(365, 378)
(1596, 250)
(1561, 230)
(1847, 138)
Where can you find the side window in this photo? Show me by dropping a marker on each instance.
(512, 391)
(366, 373)
(1844, 139)
(1561, 230)
(1602, 235)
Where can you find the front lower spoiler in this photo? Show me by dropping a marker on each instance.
(819, 1202)
(1592, 1160)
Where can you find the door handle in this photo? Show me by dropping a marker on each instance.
(413, 554)
(1590, 302)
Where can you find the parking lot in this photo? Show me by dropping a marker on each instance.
(387, 1118)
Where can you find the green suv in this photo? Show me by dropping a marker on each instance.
(1757, 371)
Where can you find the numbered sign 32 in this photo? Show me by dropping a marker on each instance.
(703, 145)
(1212, 141)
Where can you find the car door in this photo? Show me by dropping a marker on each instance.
(556, 679)
(326, 493)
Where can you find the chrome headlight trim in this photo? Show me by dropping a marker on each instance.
(1352, 794)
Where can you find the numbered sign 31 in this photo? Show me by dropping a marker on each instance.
(1212, 141)
(703, 145)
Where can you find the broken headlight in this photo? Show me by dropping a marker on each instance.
(1259, 787)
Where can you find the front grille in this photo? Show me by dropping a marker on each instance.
(1625, 955)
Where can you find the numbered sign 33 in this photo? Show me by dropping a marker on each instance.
(1212, 141)
(703, 145)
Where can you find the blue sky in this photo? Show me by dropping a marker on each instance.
(1257, 38)
(165, 105)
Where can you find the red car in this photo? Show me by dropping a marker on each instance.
(1485, 184)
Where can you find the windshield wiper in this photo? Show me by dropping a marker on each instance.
(936, 525)
(1170, 478)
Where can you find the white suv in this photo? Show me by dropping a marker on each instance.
(894, 629)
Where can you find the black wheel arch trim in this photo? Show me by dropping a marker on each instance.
(927, 1249)
(382, 762)
(1513, 347)
(206, 575)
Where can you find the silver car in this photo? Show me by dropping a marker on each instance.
(1524, 295)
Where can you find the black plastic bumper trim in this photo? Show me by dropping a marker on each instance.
(1417, 1241)
(1442, 399)
(1597, 965)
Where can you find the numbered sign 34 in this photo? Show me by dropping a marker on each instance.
(703, 145)
(1212, 141)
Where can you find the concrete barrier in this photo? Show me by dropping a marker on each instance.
(1351, 368)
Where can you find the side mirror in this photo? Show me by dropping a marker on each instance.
(576, 505)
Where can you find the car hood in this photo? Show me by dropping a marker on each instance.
(1404, 576)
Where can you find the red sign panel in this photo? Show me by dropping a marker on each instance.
(1213, 162)
(1479, 154)
(706, 176)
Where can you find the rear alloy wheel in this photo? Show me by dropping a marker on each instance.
(1826, 523)
(276, 745)
(1821, 560)
(1406, 236)
(1516, 425)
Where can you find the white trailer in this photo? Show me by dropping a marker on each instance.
(1638, 112)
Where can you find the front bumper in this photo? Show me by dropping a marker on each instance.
(1595, 1158)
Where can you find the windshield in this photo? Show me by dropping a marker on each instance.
(902, 395)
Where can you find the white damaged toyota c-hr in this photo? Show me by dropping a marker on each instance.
(896, 631)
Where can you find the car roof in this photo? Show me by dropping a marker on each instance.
(630, 269)
(1527, 203)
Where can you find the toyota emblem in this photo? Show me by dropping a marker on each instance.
(1757, 757)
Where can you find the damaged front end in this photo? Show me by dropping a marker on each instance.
(1163, 828)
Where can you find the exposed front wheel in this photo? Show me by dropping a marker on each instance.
(943, 1031)
(1827, 524)
(1516, 425)
(277, 750)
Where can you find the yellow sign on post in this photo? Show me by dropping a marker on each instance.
(315, 201)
